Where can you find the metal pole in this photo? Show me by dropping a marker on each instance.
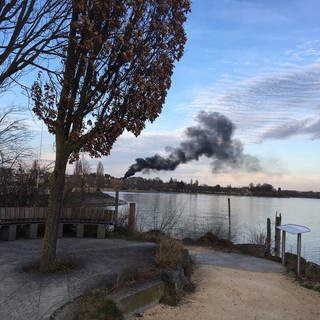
(283, 246)
(298, 253)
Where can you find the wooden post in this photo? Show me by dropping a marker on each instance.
(298, 253)
(283, 247)
(268, 238)
(277, 235)
(116, 207)
(229, 218)
(132, 217)
(116, 204)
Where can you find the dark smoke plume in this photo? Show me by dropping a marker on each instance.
(212, 137)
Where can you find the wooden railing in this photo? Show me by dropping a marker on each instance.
(69, 214)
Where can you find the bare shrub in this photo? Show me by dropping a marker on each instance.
(167, 219)
(257, 237)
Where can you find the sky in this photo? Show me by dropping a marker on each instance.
(256, 62)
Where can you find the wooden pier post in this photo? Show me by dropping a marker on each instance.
(283, 255)
(229, 219)
(268, 238)
(132, 217)
(277, 235)
(116, 205)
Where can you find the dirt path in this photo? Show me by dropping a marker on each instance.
(227, 294)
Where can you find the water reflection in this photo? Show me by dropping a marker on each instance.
(200, 213)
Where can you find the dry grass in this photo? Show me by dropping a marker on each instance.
(169, 253)
(95, 307)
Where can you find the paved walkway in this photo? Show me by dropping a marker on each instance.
(34, 296)
(27, 296)
(236, 261)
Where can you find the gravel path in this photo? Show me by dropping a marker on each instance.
(236, 287)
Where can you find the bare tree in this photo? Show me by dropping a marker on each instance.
(81, 174)
(30, 31)
(100, 175)
(118, 66)
(13, 138)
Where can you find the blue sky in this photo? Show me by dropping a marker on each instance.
(256, 62)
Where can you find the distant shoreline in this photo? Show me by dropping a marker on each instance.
(284, 194)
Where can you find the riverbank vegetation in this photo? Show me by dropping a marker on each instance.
(173, 185)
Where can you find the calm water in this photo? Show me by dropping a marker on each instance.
(198, 213)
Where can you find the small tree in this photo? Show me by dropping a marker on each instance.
(119, 61)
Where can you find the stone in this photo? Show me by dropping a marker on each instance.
(176, 283)
(187, 263)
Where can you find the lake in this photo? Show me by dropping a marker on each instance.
(191, 215)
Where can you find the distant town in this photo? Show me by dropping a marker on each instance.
(29, 186)
(173, 185)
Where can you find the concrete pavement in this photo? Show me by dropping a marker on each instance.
(36, 296)
(237, 261)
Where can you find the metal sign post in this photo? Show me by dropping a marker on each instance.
(293, 229)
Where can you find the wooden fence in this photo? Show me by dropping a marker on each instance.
(36, 213)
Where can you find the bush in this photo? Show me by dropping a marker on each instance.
(169, 253)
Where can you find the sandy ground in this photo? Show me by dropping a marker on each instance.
(225, 293)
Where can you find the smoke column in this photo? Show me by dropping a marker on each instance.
(211, 137)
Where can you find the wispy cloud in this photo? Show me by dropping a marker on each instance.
(308, 126)
(262, 104)
(306, 50)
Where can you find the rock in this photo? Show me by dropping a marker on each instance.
(174, 278)
(187, 263)
(176, 283)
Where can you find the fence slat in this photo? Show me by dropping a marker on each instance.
(39, 213)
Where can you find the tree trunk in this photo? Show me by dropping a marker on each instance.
(57, 182)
